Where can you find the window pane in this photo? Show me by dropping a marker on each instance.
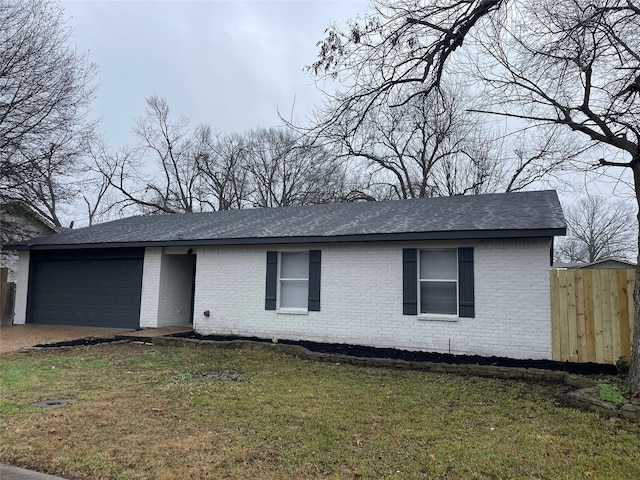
(294, 293)
(294, 265)
(439, 297)
(439, 264)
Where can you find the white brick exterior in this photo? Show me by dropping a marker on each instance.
(361, 298)
(166, 288)
(174, 306)
(150, 287)
(22, 287)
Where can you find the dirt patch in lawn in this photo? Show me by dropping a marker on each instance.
(210, 376)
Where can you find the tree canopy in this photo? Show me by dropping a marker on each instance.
(598, 228)
(46, 87)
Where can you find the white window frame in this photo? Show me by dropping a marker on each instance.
(293, 310)
(429, 315)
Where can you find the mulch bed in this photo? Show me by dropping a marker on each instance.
(389, 353)
(77, 343)
(412, 356)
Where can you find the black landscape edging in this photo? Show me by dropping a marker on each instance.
(414, 356)
(81, 342)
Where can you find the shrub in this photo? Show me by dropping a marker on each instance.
(622, 365)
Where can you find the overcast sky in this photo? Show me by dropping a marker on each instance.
(230, 64)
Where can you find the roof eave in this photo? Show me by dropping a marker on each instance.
(375, 237)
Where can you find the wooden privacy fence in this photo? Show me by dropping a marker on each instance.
(7, 298)
(592, 314)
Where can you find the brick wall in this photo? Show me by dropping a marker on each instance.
(22, 287)
(175, 290)
(150, 287)
(166, 289)
(361, 299)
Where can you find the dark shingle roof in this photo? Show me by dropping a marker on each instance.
(524, 214)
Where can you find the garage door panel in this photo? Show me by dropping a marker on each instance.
(92, 288)
(49, 302)
(87, 318)
(97, 274)
(90, 295)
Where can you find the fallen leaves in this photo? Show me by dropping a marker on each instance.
(591, 472)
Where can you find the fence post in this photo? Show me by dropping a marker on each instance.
(7, 298)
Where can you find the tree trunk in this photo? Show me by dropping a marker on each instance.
(634, 371)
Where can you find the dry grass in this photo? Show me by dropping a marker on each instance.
(166, 413)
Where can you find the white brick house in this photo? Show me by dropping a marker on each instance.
(461, 275)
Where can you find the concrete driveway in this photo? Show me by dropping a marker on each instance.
(8, 472)
(16, 337)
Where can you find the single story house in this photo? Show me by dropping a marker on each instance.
(463, 274)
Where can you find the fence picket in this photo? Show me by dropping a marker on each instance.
(581, 327)
(591, 314)
(555, 315)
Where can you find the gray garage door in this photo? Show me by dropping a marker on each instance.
(98, 288)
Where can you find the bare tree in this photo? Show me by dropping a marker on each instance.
(53, 169)
(375, 55)
(100, 199)
(287, 169)
(222, 166)
(175, 149)
(98, 203)
(598, 228)
(565, 63)
(45, 90)
(177, 169)
(159, 174)
(428, 146)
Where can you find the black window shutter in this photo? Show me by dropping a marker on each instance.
(466, 304)
(314, 281)
(409, 281)
(272, 281)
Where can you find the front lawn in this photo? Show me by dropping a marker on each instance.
(144, 412)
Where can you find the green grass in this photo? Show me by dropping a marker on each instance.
(148, 412)
(614, 392)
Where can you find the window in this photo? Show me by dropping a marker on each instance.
(293, 281)
(438, 282)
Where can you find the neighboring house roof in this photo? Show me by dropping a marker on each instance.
(508, 215)
(19, 222)
(603, 263)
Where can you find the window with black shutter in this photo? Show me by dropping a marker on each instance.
(293, 281)
(438, 282)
